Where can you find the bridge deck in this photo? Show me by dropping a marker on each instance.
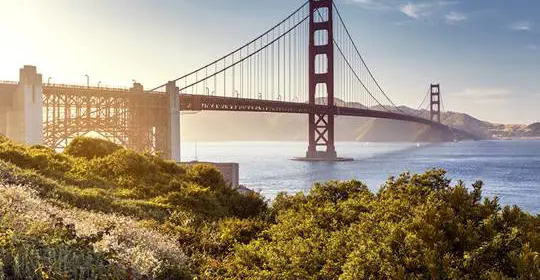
(189, 102)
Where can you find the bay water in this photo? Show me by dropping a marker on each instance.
(509, 169)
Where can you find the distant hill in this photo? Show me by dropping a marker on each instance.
(226, 126)
(534, 130)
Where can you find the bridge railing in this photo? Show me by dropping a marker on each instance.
(9, 82)
(106, 88)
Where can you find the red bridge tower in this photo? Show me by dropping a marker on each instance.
(435, 103)
(321, 79)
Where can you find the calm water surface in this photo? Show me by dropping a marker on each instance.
(509, 169)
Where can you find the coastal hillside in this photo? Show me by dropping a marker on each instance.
(534, 130)
(99, 211)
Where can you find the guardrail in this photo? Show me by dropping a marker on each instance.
(54, 85)
(9, 82)
(107, 88)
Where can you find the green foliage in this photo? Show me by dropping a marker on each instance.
(36, 157)
(96, 175)
(415, 227)
(55, 254)
(206, 176)
(234, 230)
(90, 148)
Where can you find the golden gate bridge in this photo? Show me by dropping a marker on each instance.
(308, 63)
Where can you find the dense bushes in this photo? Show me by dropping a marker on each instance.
(415, 227)
(90, 148)
(96, 175)
(100, 211)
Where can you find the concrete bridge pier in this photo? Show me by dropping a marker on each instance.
(4, 113)
(24, 120)
(3, 120)
(174, 121)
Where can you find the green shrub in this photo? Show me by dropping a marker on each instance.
(207, 176)
(234, 230)
(415, 227)
(38, 158)
(90, 148)
(246, 205)
(61, 254)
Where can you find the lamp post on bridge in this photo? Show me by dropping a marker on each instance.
(87, 80)
(49, 80)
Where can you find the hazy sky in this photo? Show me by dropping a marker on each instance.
(485, 53)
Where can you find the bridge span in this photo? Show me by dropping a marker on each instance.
(302, 65)
(133, 117)
(190, 102)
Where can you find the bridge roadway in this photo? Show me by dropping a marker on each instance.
(193, 102)
(190, 102)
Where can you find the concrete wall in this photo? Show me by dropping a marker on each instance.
(6, 93)
(3, 120)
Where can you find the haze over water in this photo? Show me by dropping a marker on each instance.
(509, 169)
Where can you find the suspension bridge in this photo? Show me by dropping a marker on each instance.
(308, 63)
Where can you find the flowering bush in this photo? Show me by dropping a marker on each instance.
(117, 211)
(58, 241)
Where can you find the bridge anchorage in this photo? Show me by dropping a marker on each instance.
(306, 64)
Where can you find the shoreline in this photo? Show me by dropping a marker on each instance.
(357, 141)
(518, 138)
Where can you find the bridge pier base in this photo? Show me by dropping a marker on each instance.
(321, 155)
(324, 156)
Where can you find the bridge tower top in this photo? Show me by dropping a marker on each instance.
(28, 75)
(137, 87)
(435, 103)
